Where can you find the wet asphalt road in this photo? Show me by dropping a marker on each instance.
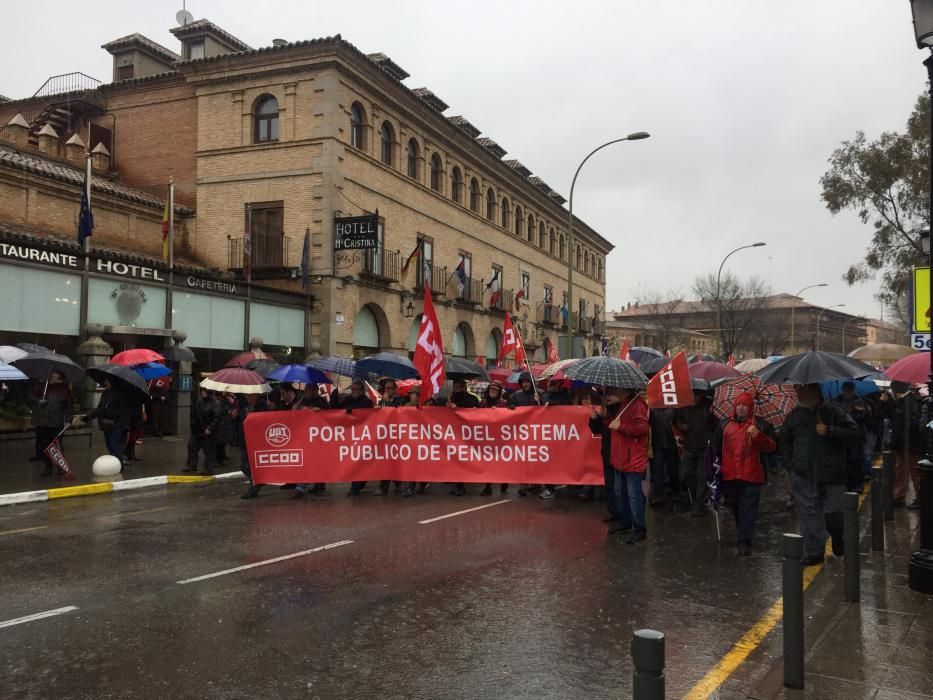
(527, 599)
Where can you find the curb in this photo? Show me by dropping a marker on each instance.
(11, 499)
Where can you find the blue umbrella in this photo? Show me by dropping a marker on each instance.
(833, 388)
(9, 373)
(338, 365)
(152, 370)
(298, 373)
(386, 364)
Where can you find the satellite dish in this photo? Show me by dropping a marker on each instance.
(184, 17)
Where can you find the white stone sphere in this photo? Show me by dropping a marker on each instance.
(106, 465)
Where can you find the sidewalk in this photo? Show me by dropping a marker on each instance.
(878, 648)
(159, 457)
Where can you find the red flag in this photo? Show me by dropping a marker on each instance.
(623, 351)
(480, 360)
(671, 388)
(552, 355)
(429, 350)
(509, 339)
(372, 393)
(731, 362)
(54, 452)
(520, 358)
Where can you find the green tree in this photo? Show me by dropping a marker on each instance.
(886, 182)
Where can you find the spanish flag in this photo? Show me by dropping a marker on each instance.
(165, 225)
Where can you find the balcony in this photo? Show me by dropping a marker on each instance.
(438, 280)
(597, 328)
(549, 314)
(504, 302)
(269, 256)
(472, 291)
(582, 323)
(382, 265)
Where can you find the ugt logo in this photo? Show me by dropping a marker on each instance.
(668, 387)
(278, 435)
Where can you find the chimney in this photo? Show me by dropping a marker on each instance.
(75, 149)
(628, 305)
(17, 131)
(48, 140)
(100, 158)
(279, 43)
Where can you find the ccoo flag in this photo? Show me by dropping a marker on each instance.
(671, 387)
(429, 350)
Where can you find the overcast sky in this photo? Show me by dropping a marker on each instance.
(744, 99)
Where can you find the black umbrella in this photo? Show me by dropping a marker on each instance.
(386, 364)
(814, 367)
(460, 368)
(119, 376)
(653, 365)
(39, 365)
(31, 347)
(262, 367)
(179, 353)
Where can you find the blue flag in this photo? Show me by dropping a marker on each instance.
(304, 262)
(86, 216)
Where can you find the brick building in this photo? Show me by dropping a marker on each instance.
(264, 145)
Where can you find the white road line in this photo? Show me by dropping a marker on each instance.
(264, 563)
(461, 512)
(38, 616)
(25, 529)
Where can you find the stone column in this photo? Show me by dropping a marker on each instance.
(183, 384)
(93, 352)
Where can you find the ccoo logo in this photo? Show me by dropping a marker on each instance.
(278, 435)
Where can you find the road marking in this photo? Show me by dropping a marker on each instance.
(83, 490)
(135, 512)
(38, 616)
(750, 641)
(461, 512)
(263, 563)
(25, 529)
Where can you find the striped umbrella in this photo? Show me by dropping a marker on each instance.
(343, 366)
(607, 371)
(555, 367)
(236, 380)
(753, 365)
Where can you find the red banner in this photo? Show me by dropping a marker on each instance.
(527, 445)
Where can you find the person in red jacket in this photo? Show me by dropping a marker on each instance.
(628, 455)
(739, 442)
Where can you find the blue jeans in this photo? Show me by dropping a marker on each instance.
(630, 500)
(116, 442)
(744, 498)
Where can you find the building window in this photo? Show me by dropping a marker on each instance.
(437, 172)
(577, 258)
(464, 286)
(526, 286)
(549, 314)
(561, 246)
(357, 119)
(474, 195)
(414, 154)
(506, 214)
(266, 223)
(195, 50)
(374, 259)
(495, 288)
(386, 140)
(456, 185)
(426, 268)
(125, 72)
(542, 238)
(519, 222)
(490, 205)
(267, 119)
(531, 229)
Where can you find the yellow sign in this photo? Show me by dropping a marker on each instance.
(921, 300)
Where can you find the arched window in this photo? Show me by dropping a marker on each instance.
(413, 330)
(456, 185)
(437, 172)
(460, 342)
(561, 246)
(506, 214)
(542, 237)
(474, 195)
(365, 333)
(577, 258)
(357, 120)
(414, 155)
(493, 341)
(266, 119)
(490, 205)
(386, 140)
(519, 222)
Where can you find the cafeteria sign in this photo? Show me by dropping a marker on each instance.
(356, 233)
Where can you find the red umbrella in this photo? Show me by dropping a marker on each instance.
(711, 371)
(912, 369)
(136, 356)
(772, 401)
(244, 358)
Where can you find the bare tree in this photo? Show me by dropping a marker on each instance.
(665, 316)
(735, 304)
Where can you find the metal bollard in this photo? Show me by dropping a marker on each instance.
(648, 663)
(792, 569)
(851, 539)
(877, 509)
(888, 459)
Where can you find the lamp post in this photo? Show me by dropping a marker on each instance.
(854, 318)
(793, 306)
(636, 136)
(920, 570)
(718, 291)
(818, 317)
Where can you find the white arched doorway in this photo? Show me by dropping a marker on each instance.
(493, 341)
(365, 333)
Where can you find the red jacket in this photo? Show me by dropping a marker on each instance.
(741, 453)
(629, 451)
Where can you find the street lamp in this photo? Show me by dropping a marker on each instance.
(854, 318)
(793, 306)
(718, 300)
(819, 316)
(635, 136)
(920, 571)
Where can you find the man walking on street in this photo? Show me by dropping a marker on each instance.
(696, 423)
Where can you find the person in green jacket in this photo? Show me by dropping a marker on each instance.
(813, 449)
